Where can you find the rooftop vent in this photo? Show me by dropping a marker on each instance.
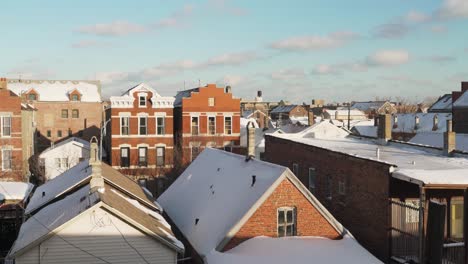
(254, 179)
(196, 221)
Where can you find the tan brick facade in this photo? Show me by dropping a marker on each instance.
(309, 222)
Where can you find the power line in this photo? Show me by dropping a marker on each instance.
(48, 229)
(128, 243)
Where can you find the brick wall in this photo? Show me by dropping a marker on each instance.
(363, 209)
(264, 221)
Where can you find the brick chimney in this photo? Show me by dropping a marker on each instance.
(3, 83)
(464, 87)
(97, 181)
(384, 129)
(228, 89)
(449, 139)
(310, 118)
(250, 141)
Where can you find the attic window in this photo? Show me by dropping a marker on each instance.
(416, 122)
(286, 221)
(395, 121)
(211, 101)
(75, 98)
(142, 101)
(32, 97)
(435, 122)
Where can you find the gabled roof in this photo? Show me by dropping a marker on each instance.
(138, 87)
(214, 197)
(283, 109)
(73, 140)
(50, 219)
(443, 104)
(58, 90)
(15, 190)
(370, 105)
(80, 175)
(407, 122)
(184, 94)
(462, 101)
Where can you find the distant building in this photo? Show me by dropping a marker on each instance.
(94, 214)
(64, 108)
(442, 105)
(140, 138)
(344, 114)
(284, 112)
(230, 209)
(62, 156)
(259, 116)
(375, 108)
(460, 109)
(259, 104)
(205, 117)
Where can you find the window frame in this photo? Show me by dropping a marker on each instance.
(230, 125)
(295, 169)
(285, 224)
(163, 163)
(211, 101)
(159, 126)
(64, 113)
(59, 133)
(122, 126)
(192, 158)
(3, 126)
(77, 113)
(140, 101)
(192, 132)
(208, 125)
(143, 162)
(32, 94)
(127, 158)
(145, 126)
(313, 176)
(10, 161)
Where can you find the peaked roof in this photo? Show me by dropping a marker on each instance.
(84, 143)
(15, 190)
(462, 101)
(184, 94)
(283, 109)
(444, 103)
(50, 219)
(140, 86)
(214, 197)
(80, 175)
(370, 105)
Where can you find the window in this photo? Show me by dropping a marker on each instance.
(296, 169)
(125, 157)
(5, 123)
(142, 157)
(456, 218)
(211, 125)
(49, 133)
(124, 125)
(32, 97)
(416, 122)
(59, 133)
(75, 113)
(160, 156)
(142, 101)
(160, 125)
(328, 190)
(286, 222)
(194, 125)
(64, 113)
(6, 159)
(341, 187)
(142, 121)
(312, 178)
(75, 97)
(61, 163)
(195, 152)
(227, 125)
(211, 101)
(70, 133)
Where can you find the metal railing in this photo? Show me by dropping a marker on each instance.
(405, 231)
(453, 253)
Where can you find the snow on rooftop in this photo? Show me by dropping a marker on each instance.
(444, 103)
(436, 139)
(59, 185)
(407, 122)
(434, 177)
(401, 155)
(295, 250)
(211, 185)
(462, 101)
(52, 217)
(57, 91)
(15, 190)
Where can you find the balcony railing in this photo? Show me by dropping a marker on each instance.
(453, 253)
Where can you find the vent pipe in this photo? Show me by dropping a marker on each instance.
(97, 181)
(449, 140)
(250, 141)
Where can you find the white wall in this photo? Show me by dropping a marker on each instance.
(72, 151)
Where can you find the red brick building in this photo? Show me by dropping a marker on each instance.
(140, 134)
(205, 117)
(64, 108)
(283, 112)
(223, 200)
(11, 153)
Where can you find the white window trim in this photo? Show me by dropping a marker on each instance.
(139, 132)
(224, 125)
(294, 222)
(11, 158)
(1, 126)
(208, 125)
(120, 119)
(214, 101)
(145, 95)
(198, 125)
(164, 156)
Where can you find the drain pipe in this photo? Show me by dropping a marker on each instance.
(422, 205)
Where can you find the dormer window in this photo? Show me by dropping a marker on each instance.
(435, 124)
(75, 97)
(142, 100)
(395, 121)
(416, 122)
(32, 97)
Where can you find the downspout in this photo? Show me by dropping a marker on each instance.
(422, 204)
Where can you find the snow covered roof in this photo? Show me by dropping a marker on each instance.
(80, 175)
(127, 98)
(73, 140)
(15, 190)
(371, 105)
(436, 139)
(245, 121)
(462, 101)
(434, 177)
(443, 104)
(367, 131)
(294, 250)
(407, 122)
(344, 112)
(323, 129)
(44, 223)
(299, 120)
(283, 109)
(400, 156)
(58, 91)
(220, 197)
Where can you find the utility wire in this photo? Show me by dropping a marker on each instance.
(128, 243)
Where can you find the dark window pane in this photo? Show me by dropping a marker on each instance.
(289, 230)
(289, 216)
(281, 231)
(281, 217)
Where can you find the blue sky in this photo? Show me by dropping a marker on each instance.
(294, 50)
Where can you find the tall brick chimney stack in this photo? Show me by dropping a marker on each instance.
(384, 129)
(449, 140)
(250, 141)
(3, 83)
(97, 181)
(464, 87)
(310, 118)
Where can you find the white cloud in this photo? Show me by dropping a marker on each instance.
(288, 75)
(176, 19)
(315, 42)
(116, 28)
(453, 9)
(388, 58)
(417, 17)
